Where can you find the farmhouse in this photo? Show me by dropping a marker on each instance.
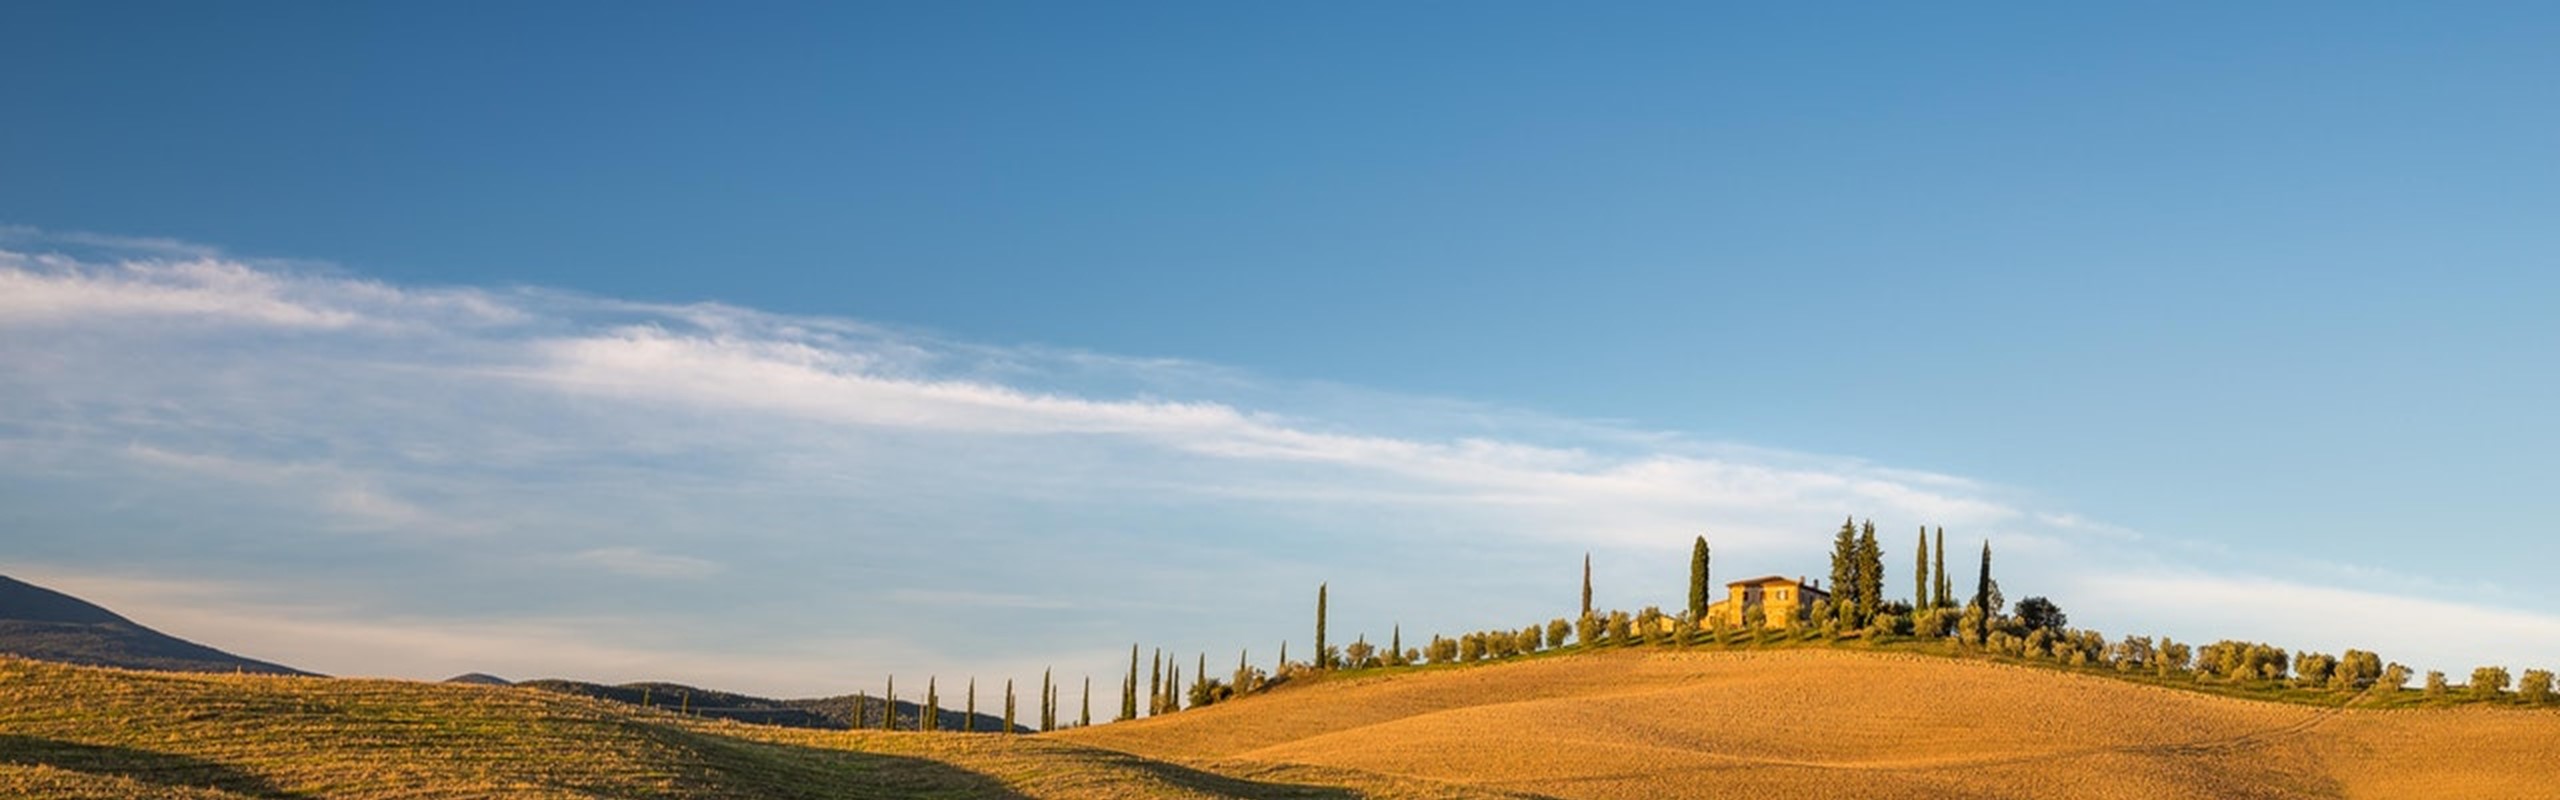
(1780, 602)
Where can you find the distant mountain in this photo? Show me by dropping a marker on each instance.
(40, 623)
(823, 712)
(480, 679)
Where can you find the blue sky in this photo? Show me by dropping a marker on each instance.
(617, 312)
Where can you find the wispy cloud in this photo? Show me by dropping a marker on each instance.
(784, 485)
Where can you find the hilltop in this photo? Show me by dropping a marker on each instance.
(1819, 722)
(40, 623)
(1841, 722)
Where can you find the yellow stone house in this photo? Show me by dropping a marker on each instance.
(1782, 602)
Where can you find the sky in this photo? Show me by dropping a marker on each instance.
(783, 347)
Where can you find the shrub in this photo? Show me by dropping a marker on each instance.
(1526, 640)
(2536, 686)
(2039, 643)
(1443, 650)
(1586, 630)
(2131, 654)
(2038, 614)
(2356, 670)
(1621, 628)
(2173, 657)
(2395, 676)
(2435, 683)
(1557, 631)
(2488, 681)
(1358, 653)
(2312, 670)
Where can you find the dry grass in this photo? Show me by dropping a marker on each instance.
(1806, 722)
(77, 732)
(1849, 723)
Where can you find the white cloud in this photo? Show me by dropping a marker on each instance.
(644, 563)
(863, 484)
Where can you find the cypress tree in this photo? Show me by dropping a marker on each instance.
(1982, 587)
(1172, 686)
(1087, 717)
(1284, 657)
(1698, 580)
(1944, 593)
(1870, 574)
(1243, 670)
(1008, 706)
(1586, 584)
(1201, 677)
(1155, 683)
(857, 710)
(930, 719)
(1920, 573)
(1844, 573)
(1129, 688)
(1395, 646)
(969, 718)
(889, 717)
(1324, 660)
(1048, 710)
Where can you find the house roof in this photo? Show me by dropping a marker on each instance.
(1766, 581)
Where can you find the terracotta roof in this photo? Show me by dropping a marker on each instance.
(1764, 581)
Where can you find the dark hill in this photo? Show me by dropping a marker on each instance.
(823, 712)
(43, 624)
(480, 679)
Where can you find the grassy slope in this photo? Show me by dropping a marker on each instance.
(83, 732)
(1848, 722)
(1631, 723)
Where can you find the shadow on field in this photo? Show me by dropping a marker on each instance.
(158, 769)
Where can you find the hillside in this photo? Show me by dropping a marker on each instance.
(82, 732)
(1624, 724)
(40, 623)
(1846, 723)
(825, 712)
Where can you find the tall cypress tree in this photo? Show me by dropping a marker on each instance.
(1201, 677)
(1944, 593)
(1048, 712)
(1982, 586)
(1155, 683)
(1870, 574)
(1284, 657)
(889, 715)
(1395, 646)
(1844, 573)
(1243, 671)
(1008, 706)
(1129, 689)
(1324, 660)
(1586, 584)
(1920, 573)
(1698, 597)
(1086, 718)
(930, 719)
(969, 717)
(858, 709)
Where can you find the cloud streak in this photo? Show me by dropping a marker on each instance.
(466, 459)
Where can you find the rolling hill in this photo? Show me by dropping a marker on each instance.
(1619, 724)
(1846, 723)
(40, 623)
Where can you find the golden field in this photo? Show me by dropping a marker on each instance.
(1634, 723)
(1849, 723)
